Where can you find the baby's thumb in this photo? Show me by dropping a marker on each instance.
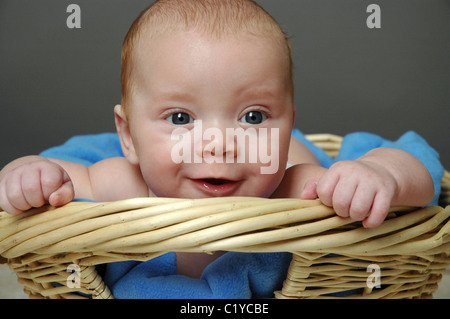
(309, 191)
(62, 195)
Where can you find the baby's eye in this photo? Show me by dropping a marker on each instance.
(180, 118)
(253, 117)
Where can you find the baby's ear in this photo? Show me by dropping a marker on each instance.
(123, 129)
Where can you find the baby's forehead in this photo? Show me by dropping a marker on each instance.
(150, 41)
(180, 48)
(172, 50)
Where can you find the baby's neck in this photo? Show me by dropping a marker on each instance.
(193, 264)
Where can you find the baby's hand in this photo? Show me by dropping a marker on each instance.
(359, 189)
(33, 185)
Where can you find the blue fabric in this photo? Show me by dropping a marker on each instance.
(233, 275)
(86, 149)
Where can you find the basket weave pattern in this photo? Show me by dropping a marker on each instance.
(331, 255)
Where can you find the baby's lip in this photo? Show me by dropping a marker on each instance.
(217, 186)
(216, 181)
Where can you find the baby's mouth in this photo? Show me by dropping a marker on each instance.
(217, 186)
(216, 181)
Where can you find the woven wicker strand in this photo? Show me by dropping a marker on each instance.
(332, 256)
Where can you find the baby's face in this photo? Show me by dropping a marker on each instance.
(211, 117)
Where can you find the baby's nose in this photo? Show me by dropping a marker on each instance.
(218, 146)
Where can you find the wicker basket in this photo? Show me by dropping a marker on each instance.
(407, 254)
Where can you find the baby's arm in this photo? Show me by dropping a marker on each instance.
(33, 181)
(300, 154)
(363, 189)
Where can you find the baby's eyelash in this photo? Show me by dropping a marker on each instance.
(257, 109)
(177, 116)
(253, 117)
(180, 118)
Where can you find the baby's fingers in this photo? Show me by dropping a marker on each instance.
(5, 204)
(362, 202)
(326, 186)
(13, 195)
(380, 209)
(63, 195)
(58, 186)
(32, 190)
(310, 190)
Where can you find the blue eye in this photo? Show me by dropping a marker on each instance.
(180, 118)
(253, 117)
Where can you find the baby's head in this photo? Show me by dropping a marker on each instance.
(213, 18)
(207, 98)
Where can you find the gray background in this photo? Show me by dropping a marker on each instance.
(57, 82)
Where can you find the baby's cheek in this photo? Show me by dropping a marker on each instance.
(158, 173)
(266, 184)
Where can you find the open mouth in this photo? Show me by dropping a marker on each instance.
(216, 181)
(217, 186)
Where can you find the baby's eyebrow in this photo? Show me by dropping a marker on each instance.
(259, 93)
(175, 95)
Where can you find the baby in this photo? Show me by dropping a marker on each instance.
(222, 66)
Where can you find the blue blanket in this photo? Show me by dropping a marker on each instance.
(233, 275)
